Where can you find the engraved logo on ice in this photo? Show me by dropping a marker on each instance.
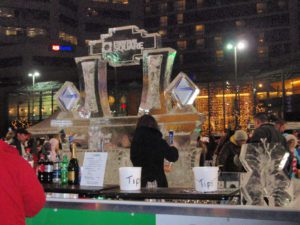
(122, 46)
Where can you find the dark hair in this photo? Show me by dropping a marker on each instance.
(147, 121)
(22, 131)
(262, 117)
(280, 121)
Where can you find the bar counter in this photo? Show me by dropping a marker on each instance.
(152, 207)
(113, 192)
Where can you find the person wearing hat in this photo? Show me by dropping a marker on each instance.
(229, 154)
(20, 141)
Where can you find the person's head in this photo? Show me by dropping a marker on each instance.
(259, 119)
(9, 135)
(240, 137)
(291, 141)
(280, 125)
(147, 121)
(22, 135)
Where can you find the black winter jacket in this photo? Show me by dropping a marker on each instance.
(269, 132)
(226, 157)
(148, 150)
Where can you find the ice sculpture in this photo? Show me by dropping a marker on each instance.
(93, 86)
(182, 91)
(157, 68)
(67, 97)
(266, 182)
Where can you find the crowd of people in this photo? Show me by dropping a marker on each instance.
(148, 150)
(227, 151)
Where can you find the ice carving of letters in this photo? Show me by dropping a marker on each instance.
(265, 182)
(153, 95)
(88, 69)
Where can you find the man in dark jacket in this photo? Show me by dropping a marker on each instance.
(266, 130)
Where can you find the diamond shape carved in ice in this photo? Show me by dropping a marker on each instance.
(183, 90)
(67, 97)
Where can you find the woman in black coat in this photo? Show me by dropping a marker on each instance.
(148, 150)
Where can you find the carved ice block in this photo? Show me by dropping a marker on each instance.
(266, 182)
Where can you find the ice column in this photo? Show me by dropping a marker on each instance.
(157, 68)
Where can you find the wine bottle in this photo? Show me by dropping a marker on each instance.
(73, 167)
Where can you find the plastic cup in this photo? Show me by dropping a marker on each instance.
(206, 178)
(130, 178)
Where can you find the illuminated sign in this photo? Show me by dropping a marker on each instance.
(62, 48)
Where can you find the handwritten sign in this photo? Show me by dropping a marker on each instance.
(93, 171)
(206, 178)
(130, 178)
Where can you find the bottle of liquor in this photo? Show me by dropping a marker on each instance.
(64, 170)
(28, 157)
(73, 168)
(56, 170)
(48, 174)
(41, 169)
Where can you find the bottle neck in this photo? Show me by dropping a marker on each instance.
(73, 151)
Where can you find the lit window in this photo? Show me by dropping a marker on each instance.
(261, 7)
(262, 51)
(261, 38)
(181, 44)
(179, 18)
(219, 54)
(68, 38)
(218, 41)
(240, 23)
(200, 42)
(10, 31)
(125, 2)
(200, 3)
(163, 33)
(163, 7)
(163, 21)
(33, 32)
(5, 12)
(92, 12)
(199, 28)
(180, 5)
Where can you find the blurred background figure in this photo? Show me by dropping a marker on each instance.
(55, 146)
(21, 140)
(9, 137)
(228, 159)
(280, 125)
(295, 153)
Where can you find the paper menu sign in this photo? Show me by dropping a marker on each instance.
(93, 169)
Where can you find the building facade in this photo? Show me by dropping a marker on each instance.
(200, 30)
(38, 35)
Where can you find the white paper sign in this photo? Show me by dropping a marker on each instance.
(93, 169)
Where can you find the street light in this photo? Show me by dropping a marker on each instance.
(237, 46)
(34, 75)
